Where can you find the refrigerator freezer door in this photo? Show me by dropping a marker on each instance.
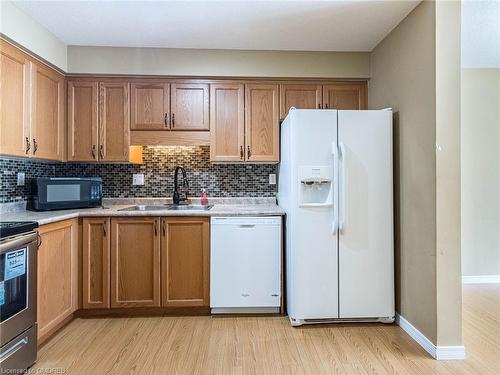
(366, 249)
(311, 249)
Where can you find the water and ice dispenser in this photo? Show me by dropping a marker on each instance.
(316, 186)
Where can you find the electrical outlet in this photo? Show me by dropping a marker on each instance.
(138, 179)
(272, 179)
(21, 177)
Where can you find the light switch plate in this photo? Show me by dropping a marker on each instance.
(21, 177)
(272, 179)
(138, 179)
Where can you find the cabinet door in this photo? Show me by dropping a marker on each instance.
(185, 261)
(96, 262)
(135, 262)
(82, 120)
(150, 106)
(300, 96)
(57, 286)
(345, 95)
(261, 122)
(114, 121)
(227, 122)
(189, 107)
(14, 101)
(47, 113)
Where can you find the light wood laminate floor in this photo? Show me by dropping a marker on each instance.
(268, 345)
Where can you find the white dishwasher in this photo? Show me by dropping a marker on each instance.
(245, 265)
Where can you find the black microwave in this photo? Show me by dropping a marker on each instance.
(59, 193)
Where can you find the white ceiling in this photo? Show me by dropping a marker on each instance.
(264, 25)
(481, 34)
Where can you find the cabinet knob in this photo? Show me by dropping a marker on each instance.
(28, 144)
(35, 146)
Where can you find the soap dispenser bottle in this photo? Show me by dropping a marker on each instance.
(204, 197)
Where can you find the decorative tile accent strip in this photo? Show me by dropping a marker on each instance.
(220, 180)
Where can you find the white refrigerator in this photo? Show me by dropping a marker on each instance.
(336, 186)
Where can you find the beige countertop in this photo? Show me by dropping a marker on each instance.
(113, 207)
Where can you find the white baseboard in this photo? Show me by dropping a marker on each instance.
(437, 352)
(481, 279)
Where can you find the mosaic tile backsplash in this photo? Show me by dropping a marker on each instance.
(220, 180)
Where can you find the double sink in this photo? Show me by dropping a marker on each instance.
(173, 207)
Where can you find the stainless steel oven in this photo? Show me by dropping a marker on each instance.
(18, 267)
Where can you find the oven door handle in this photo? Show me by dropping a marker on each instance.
(13, 349)
(18, 242)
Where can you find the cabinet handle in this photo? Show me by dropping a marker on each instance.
(101, 151)
(165, 120)
(163, 228)
(173, 119)
(40, 241)
(104, 228)
(93, 151)
(241, 152)
(35, 146)
(319, 106)
(156, 229)
(249, 153)
(28, 144)
(326, 105)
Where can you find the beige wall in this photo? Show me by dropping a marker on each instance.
(403, 77)
(188, 62)
(416, 70)
(24, 30)
(448, 256)
(480, 172)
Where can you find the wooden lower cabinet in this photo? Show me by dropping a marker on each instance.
(96, 262)
(57, 287)
(135, 262)
(185, 262)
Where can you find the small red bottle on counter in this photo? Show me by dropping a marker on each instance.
(204, 197)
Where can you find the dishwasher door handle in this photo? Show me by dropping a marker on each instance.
(246, 225)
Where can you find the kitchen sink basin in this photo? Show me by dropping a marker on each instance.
(145, 208)
(188, 207)
(174, 207)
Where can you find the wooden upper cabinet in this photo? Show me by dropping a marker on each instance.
(48, 99)
(14, 101)
(301, 96)
(83, 138)
(189, 107)
(135, 262)
(227, 127)
(261, 122)
(345, 95)
(96, 260)
(150, 102)
(57, 275)
(185, 263)
(114, 121)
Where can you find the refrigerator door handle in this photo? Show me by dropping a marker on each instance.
(335, 163)
(342, 184)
